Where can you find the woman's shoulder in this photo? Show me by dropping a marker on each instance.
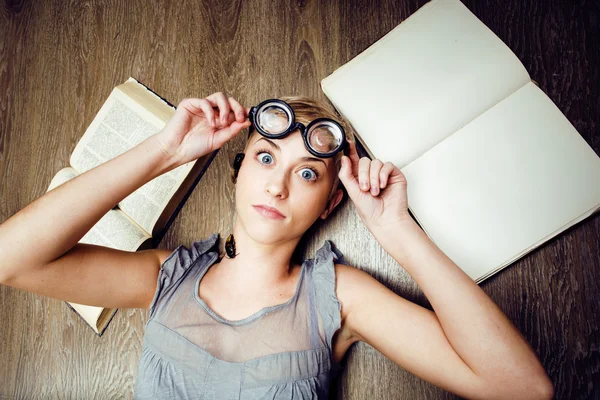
(186, 255)
(178, 264)
(326, 257)
(338, 282)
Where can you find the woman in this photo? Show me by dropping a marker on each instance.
(256, 324)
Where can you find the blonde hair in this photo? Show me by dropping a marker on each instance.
(307, 109)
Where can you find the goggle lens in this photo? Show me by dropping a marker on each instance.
(273, 119)
(324, 137)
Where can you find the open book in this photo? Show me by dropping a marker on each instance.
(494, 169)
(131, 114)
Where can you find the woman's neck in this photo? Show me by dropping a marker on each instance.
(258, 265)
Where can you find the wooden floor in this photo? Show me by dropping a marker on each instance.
(59, 60)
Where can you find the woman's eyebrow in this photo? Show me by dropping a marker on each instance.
(279, 149)
(270, 141)
(313, 159)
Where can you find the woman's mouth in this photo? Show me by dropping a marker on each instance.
(268, 212)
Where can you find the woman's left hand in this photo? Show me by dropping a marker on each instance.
(380, 199)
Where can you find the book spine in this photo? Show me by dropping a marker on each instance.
(79, 315)
(108, 322)
(156, 94)
(157, 239)
(88, 324)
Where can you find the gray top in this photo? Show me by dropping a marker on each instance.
(280, 352)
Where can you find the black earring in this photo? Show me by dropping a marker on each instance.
(230, 246)
(230, 242)
(237, 163)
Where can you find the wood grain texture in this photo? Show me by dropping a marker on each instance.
(59, 60)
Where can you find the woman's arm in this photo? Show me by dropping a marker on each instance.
(479, 332)
(52, 224)
(467, 345)
(39, 244)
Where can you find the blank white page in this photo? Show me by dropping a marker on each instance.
(514, 177)
(424, 80)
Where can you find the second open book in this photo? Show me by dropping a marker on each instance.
(494, 169)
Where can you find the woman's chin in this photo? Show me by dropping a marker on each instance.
(265, 235)
(265, 230)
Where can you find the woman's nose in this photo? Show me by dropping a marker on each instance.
(277, 186)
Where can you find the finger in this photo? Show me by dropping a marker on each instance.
(354, 158)
(213, 105)
(353, 154)
(384, 174)
(363, 173)
(223, 104)
(238, 110)
(224, 108)
(374, 171)
(224, 135)
(348, 179)
(193, 105)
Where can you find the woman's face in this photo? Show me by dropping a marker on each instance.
(281, 173)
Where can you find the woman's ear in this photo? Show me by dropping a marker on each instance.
(237, 163)
(333, 202)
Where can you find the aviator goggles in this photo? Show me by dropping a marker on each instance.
(274, 119)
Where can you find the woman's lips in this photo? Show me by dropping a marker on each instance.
(268, 213)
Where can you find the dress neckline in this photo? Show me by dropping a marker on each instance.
(252, 317)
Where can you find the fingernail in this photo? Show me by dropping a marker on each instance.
(374, 190)
(363, 186)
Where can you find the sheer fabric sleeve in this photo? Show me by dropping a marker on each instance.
(176, 266)
(324, 282)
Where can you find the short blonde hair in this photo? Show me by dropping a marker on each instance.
(307, 109)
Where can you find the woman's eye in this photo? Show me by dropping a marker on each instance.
(264, 157)
(308, 174)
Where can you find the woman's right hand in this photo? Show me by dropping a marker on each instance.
(197, 128)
